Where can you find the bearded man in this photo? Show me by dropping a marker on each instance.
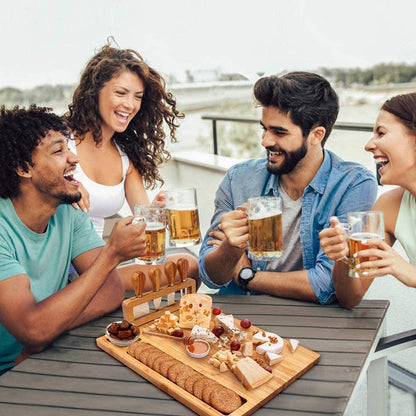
(299, 110)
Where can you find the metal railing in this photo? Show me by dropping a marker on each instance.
(215, 117)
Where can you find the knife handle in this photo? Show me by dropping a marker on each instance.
(138, 279)
(183, 267)
(155, 276)
(170, 271)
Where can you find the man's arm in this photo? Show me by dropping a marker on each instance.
(37, 324)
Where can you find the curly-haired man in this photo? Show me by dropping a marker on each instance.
(41, 234)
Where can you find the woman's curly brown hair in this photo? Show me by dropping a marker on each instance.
(144, 139)
(21, 131)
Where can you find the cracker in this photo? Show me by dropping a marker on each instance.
(141, 347)
(174, 370)
(132, 347)
(158, 361)
(164, 366)
(208, 390)
(145, 353)
(183, 376)
(189, 383)
(199, 386)
(151, 356)
(225, 400)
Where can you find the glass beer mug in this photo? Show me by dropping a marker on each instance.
(265, 228)
(155, 219)
(183, 218)
(362, 226)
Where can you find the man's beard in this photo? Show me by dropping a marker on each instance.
(69, 199)
(290, 161)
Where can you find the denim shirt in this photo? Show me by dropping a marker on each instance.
(338, 187)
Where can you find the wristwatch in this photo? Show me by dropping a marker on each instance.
(245, 276)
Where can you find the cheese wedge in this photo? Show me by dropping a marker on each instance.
(251, 374)
(293, 344)
(195, 309)
(227, 322)
(273, 359)
(199, 332)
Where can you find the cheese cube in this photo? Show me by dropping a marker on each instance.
(247, 349)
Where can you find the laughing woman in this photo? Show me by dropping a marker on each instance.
(116, 116)
(394, 148)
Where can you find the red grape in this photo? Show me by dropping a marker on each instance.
(235, 345)
(245, 323)
(218, 331)
(216, 311)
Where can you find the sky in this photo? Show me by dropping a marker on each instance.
(50, 41)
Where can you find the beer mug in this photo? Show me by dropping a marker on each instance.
(265, 228)
(362, 226)
(183, 219)
(155, 218)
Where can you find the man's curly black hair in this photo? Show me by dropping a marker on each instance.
(21, 130)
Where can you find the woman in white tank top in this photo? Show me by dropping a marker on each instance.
(116, 117)
(394, 148)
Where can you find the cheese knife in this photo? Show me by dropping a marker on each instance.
(138, 279)
(170, 271)
(183, 267)
(155, 275)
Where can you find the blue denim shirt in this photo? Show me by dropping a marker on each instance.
(338, 187)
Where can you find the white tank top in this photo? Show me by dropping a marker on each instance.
(105, 200)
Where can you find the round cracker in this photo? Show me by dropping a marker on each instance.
(158, 361)
(225, 400)
(174, 370)
(189, 383)
(164, 366)
(183, 376)
(143, 353)
(199, 386)
(141, 347)
(208, 390)
(149, 358)
(132, 347)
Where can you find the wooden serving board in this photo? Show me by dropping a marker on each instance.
(286, 372)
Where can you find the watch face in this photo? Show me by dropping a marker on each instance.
(246, 273)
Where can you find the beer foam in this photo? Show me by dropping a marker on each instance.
(154, 226)
(182, 207)
(263, 214)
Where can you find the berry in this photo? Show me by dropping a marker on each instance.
(235, 345)
(245, 323)
(218, 331)
(216, 311)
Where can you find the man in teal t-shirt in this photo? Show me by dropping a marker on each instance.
(41, 234)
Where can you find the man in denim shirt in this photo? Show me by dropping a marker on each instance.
(299, 110)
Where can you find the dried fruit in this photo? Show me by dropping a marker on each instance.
(218, 331)
(216, 311)
(235, 345)
(245, 323)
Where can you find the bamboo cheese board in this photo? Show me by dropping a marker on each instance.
(293, 365)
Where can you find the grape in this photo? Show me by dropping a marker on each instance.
(218, 331)
(216, 311)
(235, 345)
(245, 323)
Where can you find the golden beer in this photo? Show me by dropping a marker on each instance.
(155, 244)
(355, 244)
(265, 237)
(183, 223)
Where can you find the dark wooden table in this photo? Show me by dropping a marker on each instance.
(74, 377)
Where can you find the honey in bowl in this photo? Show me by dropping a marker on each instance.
(198, 349)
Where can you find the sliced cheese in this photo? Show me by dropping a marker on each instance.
(293, 344)
(272, 358)
(199, 332)
(251, 374)
(195, 309)
(269, 347)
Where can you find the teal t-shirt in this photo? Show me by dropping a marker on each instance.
(45, 258)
